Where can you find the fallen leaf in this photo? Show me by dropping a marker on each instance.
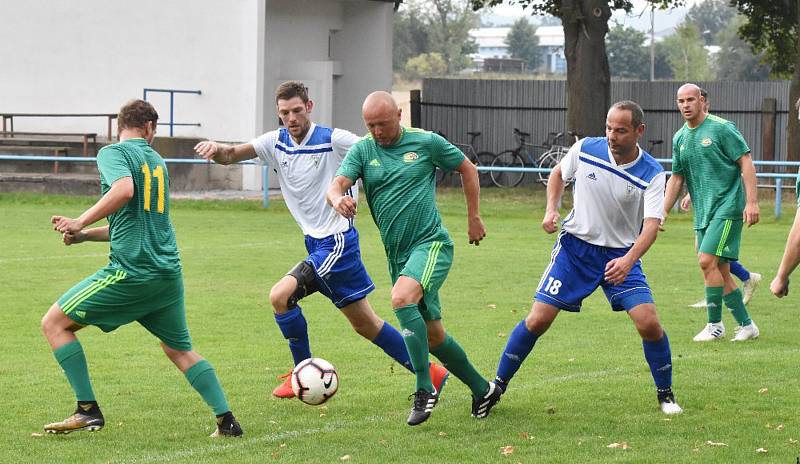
(571, 359)
(793, 441)
(283, 445)
(769, 426)
(322, 414)
(550, 410)
(762, 450)
(715, 443)
(442, 434)
(34, 434)
(346, 457)
(763, 390)
(506, 450)
(624, 445)
(524, 435)
(491, 306)
(779, 427)
(501, 334)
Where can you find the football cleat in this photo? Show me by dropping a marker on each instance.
(700, 304)
(439, 375)
(749, 286)
(80, 420)
(424, 401)
(666, 399)
(227, 426)
(284, 390)
(712, 331)
(481, 406)
(746, 332)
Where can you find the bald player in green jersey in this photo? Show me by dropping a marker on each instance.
(397, 166)
(712, 157)
(143, 281)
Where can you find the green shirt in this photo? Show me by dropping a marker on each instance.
(142, 237)
(707, 157)
(399, 182)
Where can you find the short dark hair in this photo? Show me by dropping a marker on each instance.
(291, 89)
(135, 114)
(637, 115)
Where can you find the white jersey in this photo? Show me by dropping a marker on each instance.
(611, 201)
(305, 172)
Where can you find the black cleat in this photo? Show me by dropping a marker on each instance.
(482, 406)
(227, 426)
(424, 401)
(84, 418)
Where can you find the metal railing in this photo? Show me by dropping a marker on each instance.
(172, 93)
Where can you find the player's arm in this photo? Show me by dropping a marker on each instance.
(95, 234)
(674, 186)
(222, 153)
(118, 195)
(686, 202)
(751, 211)
(791, 257)
(617, 269)
(343, 204)
(555, 189)
(472, 195)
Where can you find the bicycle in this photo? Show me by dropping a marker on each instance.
(483, 158)
(651, 145)
(523, 156)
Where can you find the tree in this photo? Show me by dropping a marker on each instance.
(426, 65)
(410, 38)
(585, 25)
(686, 55)
(735, 60)
(710, 17)
(774, 26)
(627, 56)
(524, 44)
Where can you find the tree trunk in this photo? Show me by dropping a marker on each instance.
(793, 129)
(588, 76)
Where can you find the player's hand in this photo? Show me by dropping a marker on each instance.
(476, 230)
(66, 225)
(617, 270)
(550, 221)
(346, 206)
(686, 203)
(751, 214)
(208, 150)
(779, 287)
(661, 223)
(70, 239)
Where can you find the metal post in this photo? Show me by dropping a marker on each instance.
(265, 185)
(171, 115)
(653, 42)
(778, 197)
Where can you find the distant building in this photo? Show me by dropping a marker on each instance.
(492, 44)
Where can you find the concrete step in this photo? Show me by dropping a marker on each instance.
(58, 184)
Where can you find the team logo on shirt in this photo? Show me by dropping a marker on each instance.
(630, 189)
(591, 176)
(410, 157)
(374, 162)
(315, 159)
(706, 142)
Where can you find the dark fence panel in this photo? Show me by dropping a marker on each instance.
(495, 107)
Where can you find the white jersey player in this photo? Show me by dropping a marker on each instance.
(306, 157)
(618, 201)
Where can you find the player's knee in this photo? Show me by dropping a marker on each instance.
(707, 262)
(279, 298)
(286, 293)
(400, 299)
(50, 324)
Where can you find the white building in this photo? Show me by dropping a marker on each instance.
(492, 44)
(89, 56)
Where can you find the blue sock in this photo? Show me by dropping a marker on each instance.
(520, 343)
(391, 342)
(295, 329)
(739, 271)
(659, 358)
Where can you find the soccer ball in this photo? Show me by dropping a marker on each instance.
(314, 381)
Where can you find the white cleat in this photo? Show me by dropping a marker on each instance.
(700, 304)
(749, 286)
(746, 332)
(712, 331)
(671, 407)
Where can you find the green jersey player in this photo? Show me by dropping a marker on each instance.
(397, 167)
(143, 281)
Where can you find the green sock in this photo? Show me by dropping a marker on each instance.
(415, 336)
(71, 358)
(735, 303)
(201, 377)
(455, 360)
(714, 304)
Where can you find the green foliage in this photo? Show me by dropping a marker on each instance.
(710, 17)
(564, 406)
(410, 38)
(735, 60)
(627, 55)
(554, 7)
(772, 26)
(686, 55)
(426, 65)
(524, 44)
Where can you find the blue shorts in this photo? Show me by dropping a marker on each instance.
(340, 274)
(577, 268)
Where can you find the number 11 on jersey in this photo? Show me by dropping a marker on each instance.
(158, 173)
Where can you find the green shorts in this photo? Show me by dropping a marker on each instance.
(110, 299)
(721, 238)
(429, 263)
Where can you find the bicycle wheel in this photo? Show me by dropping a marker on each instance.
(507, 159)
(549, 160)
(485, 158)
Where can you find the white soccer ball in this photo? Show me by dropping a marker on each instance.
(314, 381)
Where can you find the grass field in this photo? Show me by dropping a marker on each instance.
(585, 386)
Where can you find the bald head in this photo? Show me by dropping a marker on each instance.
(691, 104)
(689, 89)
(382, 117)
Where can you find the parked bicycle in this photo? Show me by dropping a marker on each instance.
(525, 155)
(483, 158)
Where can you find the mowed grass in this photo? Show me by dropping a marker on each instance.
(585, 386)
